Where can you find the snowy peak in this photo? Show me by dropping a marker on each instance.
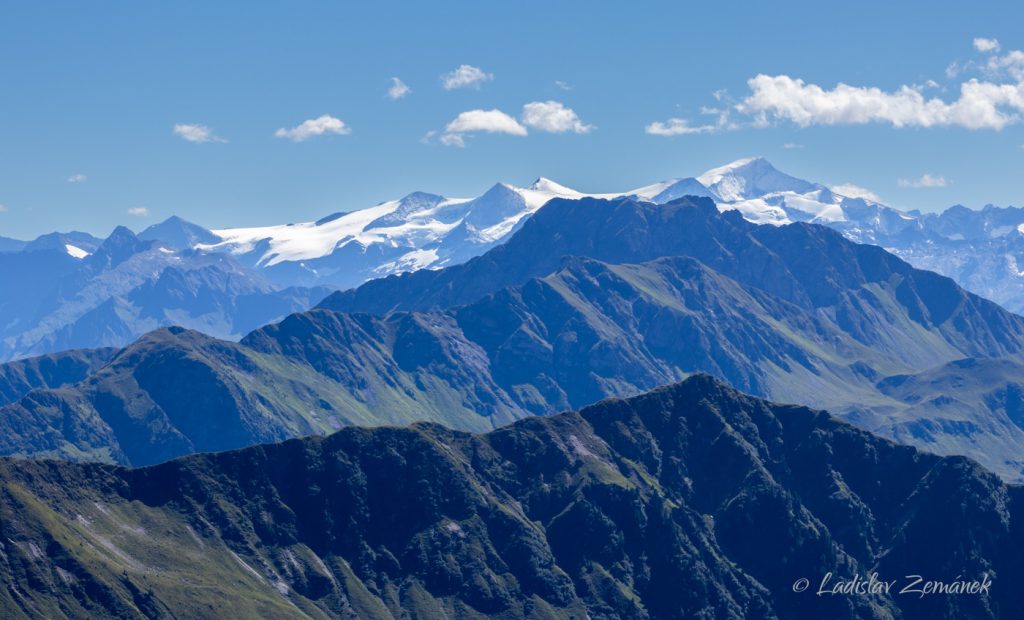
(428, 230)
(546, 185)
(409, 206)
(746, 179)
(683, 187)
(497, 204)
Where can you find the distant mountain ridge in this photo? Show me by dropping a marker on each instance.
(590, 298)
(58, 296)
(690, 501)
(983, 250)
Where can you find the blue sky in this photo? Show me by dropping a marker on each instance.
(91, 93)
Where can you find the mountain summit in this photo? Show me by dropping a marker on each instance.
(745, 179)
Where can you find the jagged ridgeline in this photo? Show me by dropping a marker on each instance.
(590, 298)
(692, 501)
(67, 291)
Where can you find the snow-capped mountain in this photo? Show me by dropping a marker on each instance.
(69, 290)
(418, 231)
(983, 250)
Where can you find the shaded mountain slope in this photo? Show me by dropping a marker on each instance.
(807, 265)
(49, 371)
(690, 501)
(176, 391)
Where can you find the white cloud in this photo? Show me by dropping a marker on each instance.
(855, 191)
(325, 124)
(925, 180)
(1010, 64)
(992, 99)
(986, 45)
(677, 127)
(196, 133)
(490, 121)
(398, 89)
(549, 116)
(3, 208)
(77, 178)
(563, 85)
(982, 105)
(474, 121)
(139, 211)
(453, 139)
(792, 145)
(465, 76)
(554, 117)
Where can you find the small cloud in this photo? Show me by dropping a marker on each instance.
(1010, 64)
(453, 139)
(553, 117)
(196, 133)
(474, 121)
(315, 127)
(428, 137)
(465, 76)
(3, 208)
(490, 121)
(677, 127)
(792, 145)
(77, 178)
(563, 85)
(925, 180)
(139, 211)
(855, 191)
(398, 89)
(986, 45)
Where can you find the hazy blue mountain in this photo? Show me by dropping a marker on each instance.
(53, 298)
(74, 243)
(178, 233)
(11, 245)
(690, 501)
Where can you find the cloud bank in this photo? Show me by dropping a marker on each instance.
(992, 99)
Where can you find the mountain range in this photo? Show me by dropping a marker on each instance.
(228, 281)
(589, 298)
(99, 293)
(692, 501)
(980, 249)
